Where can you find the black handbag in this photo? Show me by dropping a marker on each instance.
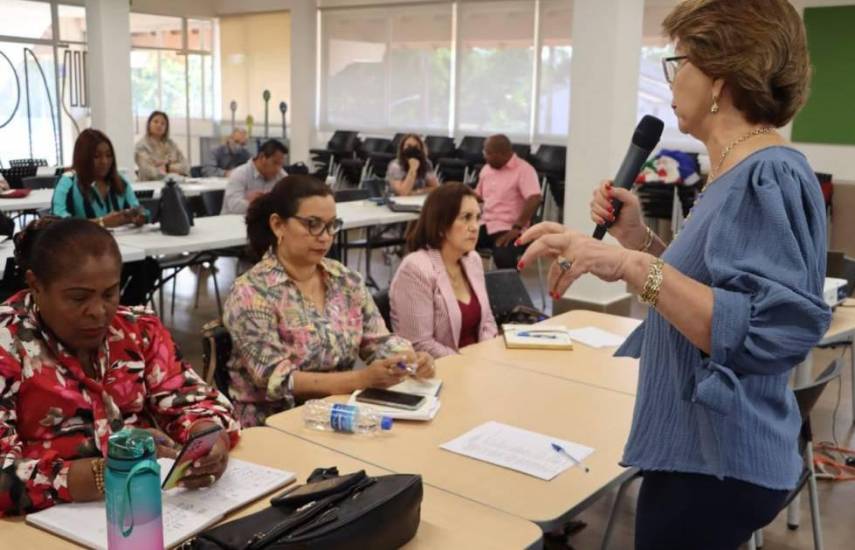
(174, 213)
(330, 512)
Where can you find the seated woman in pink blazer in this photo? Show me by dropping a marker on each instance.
(438, 296)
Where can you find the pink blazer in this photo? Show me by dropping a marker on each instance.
(424, 308)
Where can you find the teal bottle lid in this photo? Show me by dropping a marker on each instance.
(131, 443)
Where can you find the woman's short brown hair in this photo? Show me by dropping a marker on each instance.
(440, 210)
(758, 47)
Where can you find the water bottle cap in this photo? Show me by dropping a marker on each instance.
(131, 443)
(386, 423)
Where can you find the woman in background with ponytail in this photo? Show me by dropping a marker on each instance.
(299, 321)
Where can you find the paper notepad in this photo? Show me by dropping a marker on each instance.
(537, 337)
(185, 512)
(429, 388)
(521, 450)
(596, 337)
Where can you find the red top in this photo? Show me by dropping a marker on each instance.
(470, 321)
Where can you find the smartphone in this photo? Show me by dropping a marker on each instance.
(318, 489)
(197, 447)
(390, 398)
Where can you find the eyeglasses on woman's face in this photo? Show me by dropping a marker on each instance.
(316, 226)
(670, 66)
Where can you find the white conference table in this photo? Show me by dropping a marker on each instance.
(39, 199)
(229, 230)
(129, 253)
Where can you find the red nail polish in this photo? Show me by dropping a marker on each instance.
(611, 208)
(517, 242)
(521, 265)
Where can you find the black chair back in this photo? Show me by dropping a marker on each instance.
(27, 162)
(506, 290)
(212, 202)
(439, 147)
(522, 150)
(346, 195)
(343, 141)
(375, 145)
(381, 298)
(15, 175)
(551, 159)
(834, 264)
(848, 273)
(196, 172)
(471, 149)
(39, 182)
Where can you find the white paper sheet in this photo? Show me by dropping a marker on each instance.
(596, 337)
(521, 450)
(418, 386)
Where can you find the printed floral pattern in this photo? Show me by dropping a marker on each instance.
(51, 412)
(276, 331)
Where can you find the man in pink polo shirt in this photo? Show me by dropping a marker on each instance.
(510, 190)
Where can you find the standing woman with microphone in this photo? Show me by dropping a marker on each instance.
(735, 300)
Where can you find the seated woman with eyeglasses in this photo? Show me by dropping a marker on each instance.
(298, 320)
(439, 296)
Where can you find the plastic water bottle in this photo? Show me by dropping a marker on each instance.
(339, 417)
(132, 492)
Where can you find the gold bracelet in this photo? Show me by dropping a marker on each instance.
(98, 473)
(648, 239)
(653, 283)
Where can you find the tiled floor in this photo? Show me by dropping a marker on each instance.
(837, 499)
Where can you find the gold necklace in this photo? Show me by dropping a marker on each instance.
(712, 175)
(728, 149)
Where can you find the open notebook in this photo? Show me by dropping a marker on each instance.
(537, 337)
(185, 513)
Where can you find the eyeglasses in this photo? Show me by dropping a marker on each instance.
(316, 226)
(670, 66)
(468, 218)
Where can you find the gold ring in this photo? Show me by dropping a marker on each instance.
(211, 479)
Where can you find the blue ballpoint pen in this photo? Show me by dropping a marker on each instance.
(561, 450)
(527, 334)
(411, 369)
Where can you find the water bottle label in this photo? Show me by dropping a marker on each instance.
(342, 416)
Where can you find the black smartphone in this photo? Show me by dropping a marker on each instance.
(318, 489)
(389, 398)
(196, 447)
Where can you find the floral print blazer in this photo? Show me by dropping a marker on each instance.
(51, 412)
(276, 331)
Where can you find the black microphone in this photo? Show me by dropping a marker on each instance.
(644, 139)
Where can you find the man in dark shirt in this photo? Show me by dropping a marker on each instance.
(229, 155)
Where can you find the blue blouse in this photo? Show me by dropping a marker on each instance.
(100, 207)
(758, 238)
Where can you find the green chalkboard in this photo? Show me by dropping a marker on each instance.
(829, 115)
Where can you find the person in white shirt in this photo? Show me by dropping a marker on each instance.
(256, 177)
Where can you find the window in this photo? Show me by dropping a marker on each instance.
(72, 23)
(156, 31)
(654, 93)
(385, 69)
(553, 109)
(496, 66)
(25, 19)
(171, 61)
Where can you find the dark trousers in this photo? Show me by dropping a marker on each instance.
(505, 257)
(701, 512)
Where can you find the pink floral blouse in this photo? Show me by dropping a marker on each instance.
(276, 331)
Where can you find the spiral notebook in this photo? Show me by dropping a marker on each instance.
(185, 513)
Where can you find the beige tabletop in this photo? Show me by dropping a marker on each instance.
(596, 367)
(475, 391)
(842, 321)
(447, 521)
